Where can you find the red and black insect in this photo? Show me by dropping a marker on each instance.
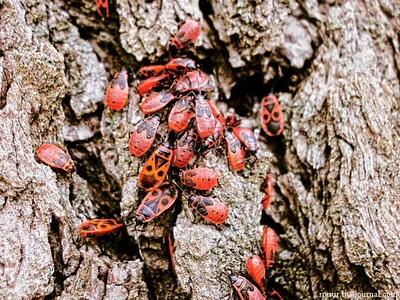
(192, 81)
(180, 114)
(156, 168)
(156, 102)
(245, 289)
(266, 188)
(99, 227)
(102, 4)
(205, 122)
(246, 136)
(199, 178)
(236, 153)
(54, 157)
(152, 83)
(143, 136)
(118, 91)
(151, 71)
(156, 202)
(184, 150)
(186, 35)
(210, 208)
(256, 269)
(217, 134)
(180, 65)
(270, 246)
(271, 116)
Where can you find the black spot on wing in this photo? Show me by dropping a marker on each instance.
(150, 132)
(142, 127)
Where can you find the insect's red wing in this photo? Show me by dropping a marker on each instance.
(99, 227)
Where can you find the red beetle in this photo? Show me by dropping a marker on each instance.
(180, 115)
(236, 153)
(118, 91)
(210, 208)
(143, 136)
(180, 65)
(205, 122)
(246, 136)
(99, 227)
(152, 83)
(266, 188)
(199, 178)
(217, 134)
(156, 168)
(192, 81)
(270, 246)
(245, 289)
(183, 152)
(156, 202)
(151, 71)
(54, 157)
(156, 102)
(102, 4)
(186, 35)
(256, 269)
(271, 116)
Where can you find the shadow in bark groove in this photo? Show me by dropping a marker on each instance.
(6, 82)
(103, 35)
(68, 111)
(56, 249)
(106, 191)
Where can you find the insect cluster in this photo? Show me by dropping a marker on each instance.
(176, 93)
(256, 266)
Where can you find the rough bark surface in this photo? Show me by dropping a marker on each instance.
(335, 169)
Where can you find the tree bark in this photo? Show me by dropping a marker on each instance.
(335, 67)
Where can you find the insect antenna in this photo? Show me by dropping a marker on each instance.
(178, 185)
(139, 226)
(279, 78)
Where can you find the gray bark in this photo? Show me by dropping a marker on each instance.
(335, 168)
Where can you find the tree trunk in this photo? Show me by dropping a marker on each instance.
(335, 68)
